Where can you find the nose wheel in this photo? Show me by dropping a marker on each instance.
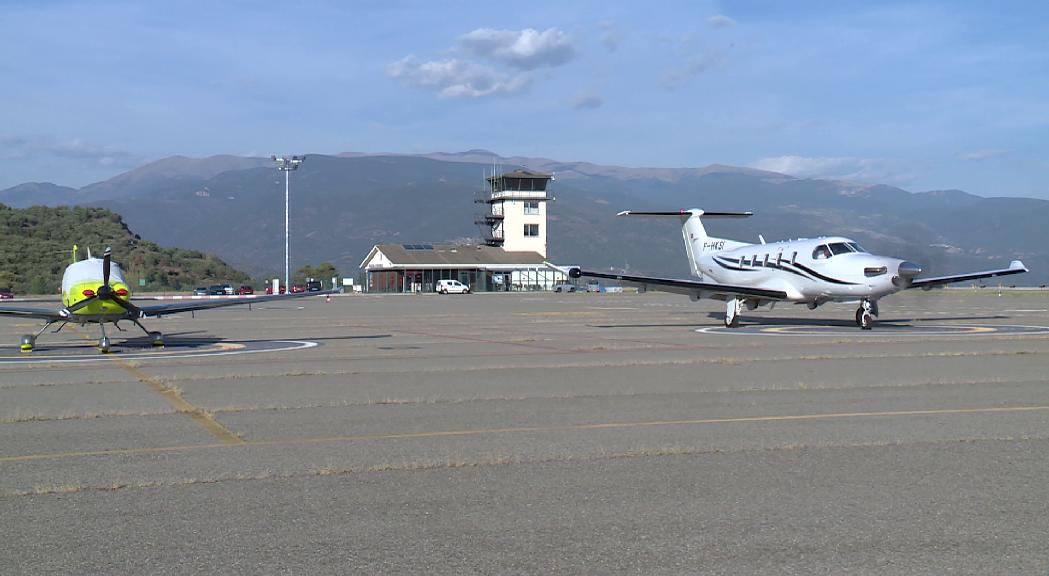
(28, 342)
(865, 314)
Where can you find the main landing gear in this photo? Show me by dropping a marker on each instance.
(733, 309)
(866, 313)
(105, 345)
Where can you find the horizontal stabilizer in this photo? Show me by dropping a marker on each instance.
(692, 212)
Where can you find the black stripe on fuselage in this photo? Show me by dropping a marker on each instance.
(824, 278)
(802, 270)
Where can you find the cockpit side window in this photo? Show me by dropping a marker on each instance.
(856, 247)
(821, 252)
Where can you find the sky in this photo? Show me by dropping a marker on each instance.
(921, 95)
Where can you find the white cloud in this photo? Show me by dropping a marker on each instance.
(693, 67)
(587, 101)
(836, 168)
(526, 49)
(16, 147)
(720, 21)
(454, 78)
(980, 155)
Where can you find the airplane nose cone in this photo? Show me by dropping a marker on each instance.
(909, 270)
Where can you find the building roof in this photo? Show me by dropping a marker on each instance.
(452, 256)
(522, 173)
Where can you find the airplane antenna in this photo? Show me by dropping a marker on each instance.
(74, 253)
(762, 238)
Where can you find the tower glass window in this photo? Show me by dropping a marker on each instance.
(531, 207)
(531, 230)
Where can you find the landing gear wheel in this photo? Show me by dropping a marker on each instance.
(104, 344)
(864, 318)
(28, 342)
(732, 312)
(865, 314)
(157, 339)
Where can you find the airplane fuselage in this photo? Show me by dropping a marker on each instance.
(814, 271)
(81, 280)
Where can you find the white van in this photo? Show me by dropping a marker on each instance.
(452, 287)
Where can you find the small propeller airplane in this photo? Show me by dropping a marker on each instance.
(95, 291)
(803, 271)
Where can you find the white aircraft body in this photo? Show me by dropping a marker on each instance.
(95, 291)
(804, 271)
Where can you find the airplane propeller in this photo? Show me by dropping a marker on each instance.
(105, 291)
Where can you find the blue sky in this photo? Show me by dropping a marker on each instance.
(920, 95)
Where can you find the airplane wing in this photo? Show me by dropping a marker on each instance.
(193, 306)
(1015, 267)
(687, 287)
(42, 313)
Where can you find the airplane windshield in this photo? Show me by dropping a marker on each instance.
(840, 248)
(856, 247)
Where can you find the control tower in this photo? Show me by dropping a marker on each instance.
(517, 218)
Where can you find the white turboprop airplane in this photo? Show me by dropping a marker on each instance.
(95, 291)
(803, 271)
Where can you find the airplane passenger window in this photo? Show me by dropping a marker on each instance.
(839, 248)
(821, 252)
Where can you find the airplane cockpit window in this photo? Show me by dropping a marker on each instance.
(840, 248)
(857, 248)
(821, 252)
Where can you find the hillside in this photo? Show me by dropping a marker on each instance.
(36, 243)
(341, 206)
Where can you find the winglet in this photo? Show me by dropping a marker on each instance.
(1018, 265)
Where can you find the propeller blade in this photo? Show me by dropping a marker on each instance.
(81, 303)
(106, 260)
(126, 305)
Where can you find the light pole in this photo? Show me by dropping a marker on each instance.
(286, 165)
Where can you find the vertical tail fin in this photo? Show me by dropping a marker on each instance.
(697, 241)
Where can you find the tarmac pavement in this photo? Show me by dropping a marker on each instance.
(534, 433)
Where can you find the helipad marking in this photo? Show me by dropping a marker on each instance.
(217, 349)
(884, 331)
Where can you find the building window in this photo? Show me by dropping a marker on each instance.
(531, 230)
(531, 208)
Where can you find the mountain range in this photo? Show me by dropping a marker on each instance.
(342, 205)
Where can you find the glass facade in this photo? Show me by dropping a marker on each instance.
(479, 280)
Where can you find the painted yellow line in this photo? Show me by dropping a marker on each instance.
(176, 401)
(180, 404)
(528, 430)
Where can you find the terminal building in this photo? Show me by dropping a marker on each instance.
(510, 259)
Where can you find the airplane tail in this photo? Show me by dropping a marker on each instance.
(695, 235)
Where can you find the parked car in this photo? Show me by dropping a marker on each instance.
(227, 290)
(269, 289)
(593, 286)
(564, 287)
(452, 287)
(314, 286)
(245, 290)
(200, 291)
(216, 290)
(297, 288)
(6, 294)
